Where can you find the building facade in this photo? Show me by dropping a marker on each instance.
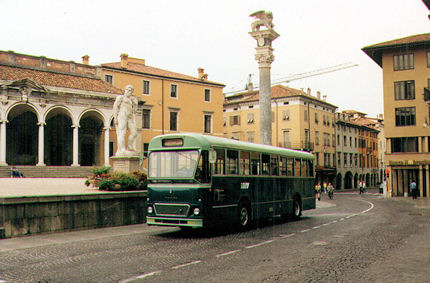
(173, 102)
(347, 167)
(405, 64)
(299, 121)
(53, 112)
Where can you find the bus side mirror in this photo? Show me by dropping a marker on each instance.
(212, 156)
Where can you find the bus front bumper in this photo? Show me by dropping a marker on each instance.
(183, 222)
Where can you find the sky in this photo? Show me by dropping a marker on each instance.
(183, 35)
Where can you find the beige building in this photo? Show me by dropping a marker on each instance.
(405, 64)
(173, 102)
(299, 121)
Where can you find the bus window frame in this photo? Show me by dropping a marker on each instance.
(216, 165)
(232, 168)
(253, 156)
(245, 169)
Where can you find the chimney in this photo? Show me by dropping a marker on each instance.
(201, 74)
(309, 91)
(319, 94)
(86, 59)
(124, 60)
(324, 97)
(381, 116)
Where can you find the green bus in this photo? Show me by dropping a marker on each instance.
(199, 180)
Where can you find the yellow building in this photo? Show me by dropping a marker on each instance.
(173, 102)
(405, 64)
(299, 121)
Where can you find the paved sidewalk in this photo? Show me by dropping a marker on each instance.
(17, 187)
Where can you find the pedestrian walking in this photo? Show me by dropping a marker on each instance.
(330, 190)
(413, 187)
(318, 191)
(360, 185)
(325, 187)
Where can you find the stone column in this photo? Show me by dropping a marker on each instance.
(264, 57)
(421, 185)
(41, 146)
(3, 143)
(427, 181)
(106, 129)
(395, 178)
(75, 145)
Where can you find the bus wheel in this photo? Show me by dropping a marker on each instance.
(244, 216)
(297, 208)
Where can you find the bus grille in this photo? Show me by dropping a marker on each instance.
(169, 209)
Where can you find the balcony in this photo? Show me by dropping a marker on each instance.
(426, 94)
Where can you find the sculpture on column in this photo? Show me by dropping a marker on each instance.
(265, 19)
(125, 108)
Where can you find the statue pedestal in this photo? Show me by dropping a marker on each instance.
(126, 164)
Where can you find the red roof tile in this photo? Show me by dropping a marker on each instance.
(375, 51)
(405, 40)
(49, 78)
(144, 69)
(278, 91)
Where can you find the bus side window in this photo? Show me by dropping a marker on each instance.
(232, 160)
(290, 167)
(219, 164)
(297, 167)
(265, 160)
(274, 166)
(203, 172)
(283, 166)
(244, 163)
(255, 163)
(311, 168)
(305, 169)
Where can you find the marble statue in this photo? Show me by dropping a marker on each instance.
(125, 108)
(265, 19)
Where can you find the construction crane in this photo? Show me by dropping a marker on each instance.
(299, 76)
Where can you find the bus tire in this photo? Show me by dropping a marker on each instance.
(244, 216)
(297, 208)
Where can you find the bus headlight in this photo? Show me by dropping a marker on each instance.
(196, 211)
(150, 209)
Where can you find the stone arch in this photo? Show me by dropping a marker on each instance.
(91, 139)
(356, 180)
(58, 136)
(338, 181)
(348, 180)
(22, 134)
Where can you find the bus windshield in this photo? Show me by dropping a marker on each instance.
(173, 164)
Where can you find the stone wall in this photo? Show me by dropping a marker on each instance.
(31, 215)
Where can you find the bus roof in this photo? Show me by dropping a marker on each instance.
(192, 140)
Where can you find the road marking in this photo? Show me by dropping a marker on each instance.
(325, 224)
(304, 231)
(316, 227)
(342, 219)
(136, 277)
(186, 264)
(334, 221)
(287, 236)
(259, 244)
(227, 253)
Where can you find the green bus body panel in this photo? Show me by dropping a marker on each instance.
(218, 201)
(206, 142)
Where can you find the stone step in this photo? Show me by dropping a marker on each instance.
(49, 171)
